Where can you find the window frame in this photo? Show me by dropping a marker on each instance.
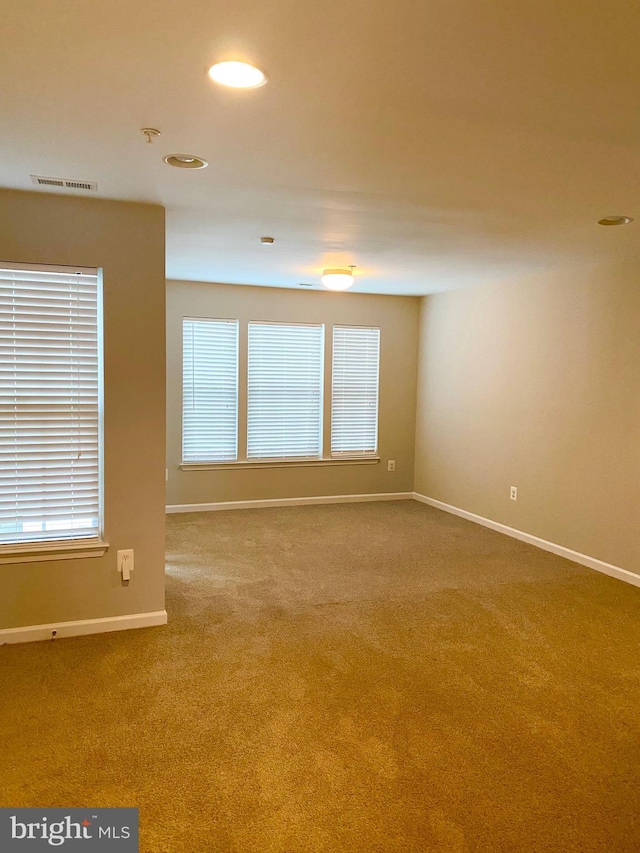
(322, 395)
(79, 547)
(324, 460)
(229, 321)
(355, 454)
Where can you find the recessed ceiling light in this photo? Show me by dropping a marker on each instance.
(615, 220)
(185, 161)
(237, 75)
(338, 279)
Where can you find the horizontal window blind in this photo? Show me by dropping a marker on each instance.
(49, 406)
(285, 391)
(209, 390)
(354, 393)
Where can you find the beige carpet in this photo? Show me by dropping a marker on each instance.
(361, 678)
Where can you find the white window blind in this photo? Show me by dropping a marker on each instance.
(354, 396)
(49, 405)
(209, 390)
(285, 391)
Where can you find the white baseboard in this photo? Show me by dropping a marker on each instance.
(560, 550)
(318, 499)
(30, 633)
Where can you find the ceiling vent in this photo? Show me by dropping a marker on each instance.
(65, 183)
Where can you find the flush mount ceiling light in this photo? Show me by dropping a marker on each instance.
(237, 75)
(185, 161)
(338, 279)
(615, 220)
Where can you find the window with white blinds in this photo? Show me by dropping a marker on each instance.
(209, 390)
(49, 405)
(285, 381)
(354, 393)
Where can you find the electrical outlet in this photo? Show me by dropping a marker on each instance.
(513, 493)
(391, 465)
(125, 563)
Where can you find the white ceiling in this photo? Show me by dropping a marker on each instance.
(433, 143)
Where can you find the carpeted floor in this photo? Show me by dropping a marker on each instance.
(358, 678)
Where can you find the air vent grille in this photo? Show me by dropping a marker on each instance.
(66, 183)
(52, 182)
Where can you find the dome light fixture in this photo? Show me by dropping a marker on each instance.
(615, 220)
(340, 279)
(237, 75)
(185, 161)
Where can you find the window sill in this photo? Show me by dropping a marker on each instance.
(41, 552)
(280, 463)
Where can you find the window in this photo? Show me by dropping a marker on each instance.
(49, 405)
(285, 381)
(277, 411)
(210, 390)
(354, 392)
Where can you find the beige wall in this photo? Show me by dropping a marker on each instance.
(536, 383)
(397, 317)
(127, 242)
